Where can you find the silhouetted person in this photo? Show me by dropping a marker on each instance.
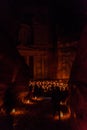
(9, 98)
(56, 100)
(30, 92)
(64, 95)
(9, 103)
(36, 92)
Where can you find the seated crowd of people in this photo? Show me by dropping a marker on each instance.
(47, 88)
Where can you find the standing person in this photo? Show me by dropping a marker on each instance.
(10, 98)
(9, 103)
(56, 101)
(78, 84)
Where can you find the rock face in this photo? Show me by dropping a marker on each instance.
(12, 65)
(79, 68)
(13, 70)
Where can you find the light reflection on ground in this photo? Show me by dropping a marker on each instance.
(35, 100)
(63, 116)
(16, 112)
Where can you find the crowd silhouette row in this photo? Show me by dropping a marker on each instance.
(49, 89)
